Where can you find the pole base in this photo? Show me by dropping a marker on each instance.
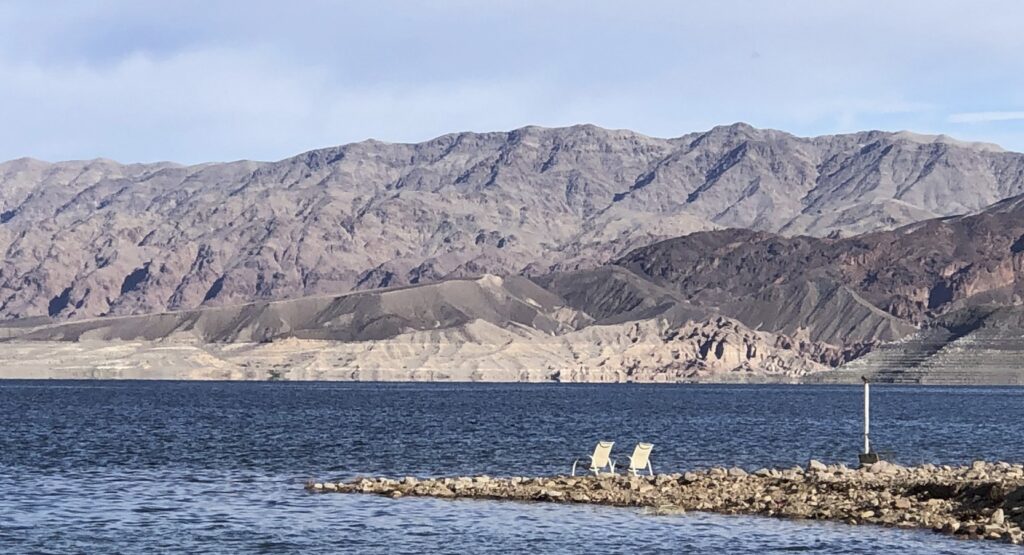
(868, 458)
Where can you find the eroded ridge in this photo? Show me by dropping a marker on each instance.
(980, 501)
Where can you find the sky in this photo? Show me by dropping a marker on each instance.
(205, 80)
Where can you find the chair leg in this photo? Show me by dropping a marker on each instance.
(574, 466)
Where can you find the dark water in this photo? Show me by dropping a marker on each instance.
(129, 467)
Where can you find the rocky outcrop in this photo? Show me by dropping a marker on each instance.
(717, 349)
(980, 501)
(90, 238)
(506, 338)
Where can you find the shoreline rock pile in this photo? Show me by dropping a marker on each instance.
(980, 501)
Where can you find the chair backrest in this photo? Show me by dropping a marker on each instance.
(602, 453)
(641, 455)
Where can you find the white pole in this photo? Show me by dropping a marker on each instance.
(867, 417)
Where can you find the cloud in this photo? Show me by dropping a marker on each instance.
(985, 117)
(205, 80)
(223, 104)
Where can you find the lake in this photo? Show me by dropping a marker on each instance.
(132, 467)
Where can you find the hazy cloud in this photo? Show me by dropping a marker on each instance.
(213, 80)
(985, 117)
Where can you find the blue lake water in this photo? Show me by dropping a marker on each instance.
(142, 467)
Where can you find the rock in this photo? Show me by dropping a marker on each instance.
(795, 473)
(552, 494)
(690, 477)
(867, 514)
(884, 467)
(993, 531)
(442, 491)
(395, 494)
(816, 466)
(903, 503)
(737, 472)
(998, 517)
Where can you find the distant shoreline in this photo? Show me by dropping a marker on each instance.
(163, 378)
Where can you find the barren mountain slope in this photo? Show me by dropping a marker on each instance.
(873, 287)
(359, 316)
(82, 239)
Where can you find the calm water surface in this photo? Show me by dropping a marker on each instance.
(141, 467)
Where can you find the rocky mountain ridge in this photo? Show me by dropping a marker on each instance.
(911, 304)
(85, 239)
(575, 254)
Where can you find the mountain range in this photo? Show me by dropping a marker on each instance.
(574, 254)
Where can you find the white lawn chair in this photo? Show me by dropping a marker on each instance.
(600, 460)
(641, 459)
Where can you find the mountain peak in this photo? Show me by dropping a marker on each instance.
(531, 200)
(946, 140)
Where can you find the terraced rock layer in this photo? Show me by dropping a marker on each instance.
(980, 345)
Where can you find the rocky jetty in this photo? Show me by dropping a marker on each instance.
(980, 501)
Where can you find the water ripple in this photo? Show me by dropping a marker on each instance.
(134, 467)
